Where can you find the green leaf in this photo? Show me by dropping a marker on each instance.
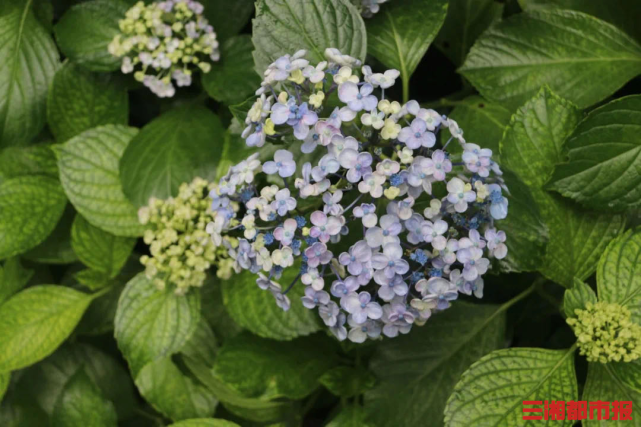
(172, 393)
(620, 13)
(89, 174)
(152, 324)
(30, 60)
(417, 372)
(84, 32)
(46, 380)
(286, 26)
(619, 273)
(79, 100)
(56, 249)
(401, 32)
(214, 310)
(628, 373)
(99, 317)
(228, 17)
(530, 147)
(30, 207)
(32, 160)
(465, 21)
(178, 146)
(82, 403)
(492, 391)
(99, 250)
(204, 422)
(576, 297)
(580, 57)
(16, 411)
(92, 279)
(482, 122)
(604, 167)
(247, 408)
(259, 367)
(36, 321)
(602, 384)
(233, 79)
(5, 378)
(13, 277)
(351, 416)
(347, 381)
(255, 310)
(202, 346)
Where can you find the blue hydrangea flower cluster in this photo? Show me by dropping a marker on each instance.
(420, 220)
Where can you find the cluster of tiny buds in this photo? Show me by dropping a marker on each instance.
(386, 225)
(606, 333)
(165, 41)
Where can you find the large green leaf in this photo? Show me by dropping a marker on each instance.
(620, 13)
(13, 277)
(604, 168)
(152, 324)
(285, 26)
(31, 160)
(258, 367)
(98, 249)
(82, 403)
(204, 422)
(465, 21)
(493, 390)
(602, 384)
(580, 57)
(350, 416)
(530, 147)
(202, 346)
(85, 31)
(619, 273)
(89, 174)
(56, 249)
(577, 297)
(30, 207)
(228, 17)
(17, 411)
(173, 393)
(214, 310)
(175, 148)
(36, 321)
(233, 79)
(417, 372)
(79, 100)
(401, 32)
(348, 381)
(255, 309)
(29, 62)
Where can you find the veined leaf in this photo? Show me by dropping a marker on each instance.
(202, 346)
(56, 248)
(286, 26)
(582, 58)
(31, 160)
(347, 381)
(577, 297)
(493, 390)
(30, 60)
(13, 277)
(602, 384)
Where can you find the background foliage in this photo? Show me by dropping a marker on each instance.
(551, 86)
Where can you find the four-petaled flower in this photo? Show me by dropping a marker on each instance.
(283, 164)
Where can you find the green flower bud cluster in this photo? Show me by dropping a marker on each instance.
(181, 250)
(606, 333)
(164, 41)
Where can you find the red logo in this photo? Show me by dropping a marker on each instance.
(581, 410)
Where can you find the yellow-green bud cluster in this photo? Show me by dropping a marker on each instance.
(606, 333)
(181, 250)
(164, 41)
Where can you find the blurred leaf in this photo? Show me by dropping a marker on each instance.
(351, 416)
(603, 385)
(99, 250)
(581, 58)
(5, 378)
(99, 317)
(82, 403)
(619, 273)
(285, 26)
(228, 17)
(172, 393)
(400, 33)
(465, 21)
(576, 297)
(36, 321)
(205, 422)
(180, 145)
(530, 147)
(233, 79)
(13, 277)
(347, 381)
(603, 171)
(30, 207)
(493, 390)
(85, 31)
(202, 346)
(16, 411)
(263, 368)
(56, 249)
(30, 60)
(79, 100)
(89, 173)
(152, 324)
(408, 367)
(32, 160)
(256, 310)
(213, 309)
